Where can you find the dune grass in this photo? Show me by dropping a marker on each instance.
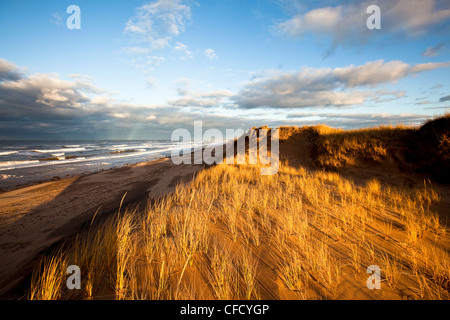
(234, 234)
(337, 148)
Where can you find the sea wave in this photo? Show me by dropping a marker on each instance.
(61, 150)
(125, 147)
(14, 163)
(62, 160)
(10, 165)
(7, 153)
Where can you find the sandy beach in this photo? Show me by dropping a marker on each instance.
(33, 218)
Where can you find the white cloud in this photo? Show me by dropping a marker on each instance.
(214, 94)
(184, 48)
(101, 100)
(47, 96)
(77, 109)
(357, 120)
(160, 43)
(183, 85)
(202, 99)
(155, 60)
(121, 115)
(346, 24)
(181, 46)
(324, 87)
(80, 76)
(373, 73)
(211, 54)
(145, 62)
(157, 22)
(136, 50)
(9, 71)
(57, 19)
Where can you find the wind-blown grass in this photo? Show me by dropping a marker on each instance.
(234, 234)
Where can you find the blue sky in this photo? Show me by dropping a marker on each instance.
(140, 69)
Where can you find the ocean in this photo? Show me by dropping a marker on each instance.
(28, 162)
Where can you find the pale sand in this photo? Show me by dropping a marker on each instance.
(34, 218)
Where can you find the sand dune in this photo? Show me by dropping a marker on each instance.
(306, 233)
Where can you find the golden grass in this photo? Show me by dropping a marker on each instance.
(336, 149)
(234, 234)
(47, 285)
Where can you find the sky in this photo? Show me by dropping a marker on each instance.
(141, 69)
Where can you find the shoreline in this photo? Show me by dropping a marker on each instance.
(36, 216)
(60, 176)
(69, 176)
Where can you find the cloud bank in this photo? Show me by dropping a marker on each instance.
(345, 24)
(46, 106)
(326, 87)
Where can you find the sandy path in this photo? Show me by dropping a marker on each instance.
(34, 218)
